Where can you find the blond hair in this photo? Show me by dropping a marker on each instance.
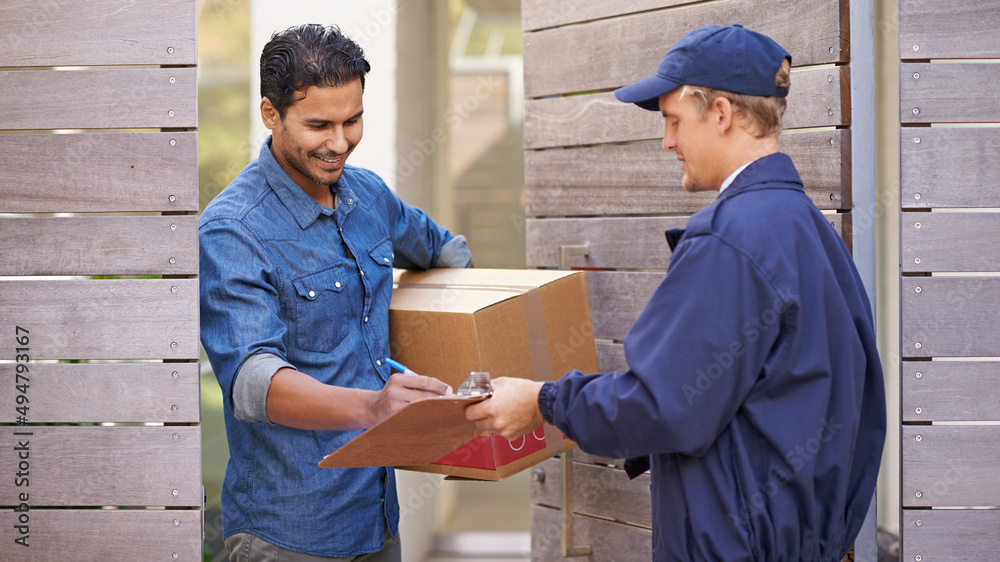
(759, 115)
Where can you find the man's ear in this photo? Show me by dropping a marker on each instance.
(723, 112)
(268, 114)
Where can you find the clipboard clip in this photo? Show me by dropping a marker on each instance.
(477, 384)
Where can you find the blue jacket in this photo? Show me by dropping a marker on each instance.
(754, 385)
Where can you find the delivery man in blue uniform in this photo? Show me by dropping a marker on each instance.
(754, 388)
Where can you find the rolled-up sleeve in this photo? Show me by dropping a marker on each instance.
(252, 384)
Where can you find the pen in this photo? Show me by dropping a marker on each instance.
(398, 366)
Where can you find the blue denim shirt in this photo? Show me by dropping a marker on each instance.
(288, 282)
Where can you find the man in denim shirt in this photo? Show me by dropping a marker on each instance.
(296, 277)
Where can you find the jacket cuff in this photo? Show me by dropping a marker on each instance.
(455, 253)
(547, 400)
(251, 386)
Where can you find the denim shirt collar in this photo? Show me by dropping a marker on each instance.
(300, 204)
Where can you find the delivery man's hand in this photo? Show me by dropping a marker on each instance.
(512, 411)
(403, 388)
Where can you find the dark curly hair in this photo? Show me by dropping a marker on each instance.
(308, 55)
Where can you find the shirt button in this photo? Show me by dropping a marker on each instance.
(312, 294)
(337, 284)
(378, 362)
(386, 260)
(366, 319)
(350, 201)
(362, 273)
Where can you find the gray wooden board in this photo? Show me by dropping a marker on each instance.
(948, 92)
(614, 52)
(950, 316)
(587, 458)
(613, 243)
(98, 32)
(611, 357)
(598, 491)
(104, 534)
(102, 392)
(645, 179)
(126, 98)
(952, 535)
(94, 466)
(951, 465)
(609, 540)
(98, 172)
(817, 99)
(617, 298)
(950, 241)
(100, 245)
(540, 14)
(949, 167)
(958, 29)
(102, 319)
(951, 391)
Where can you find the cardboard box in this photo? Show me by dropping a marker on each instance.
(447, 323)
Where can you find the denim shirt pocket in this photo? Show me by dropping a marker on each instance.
(321, 307)
(381, 253)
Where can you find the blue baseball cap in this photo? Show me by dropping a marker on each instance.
(720, 57)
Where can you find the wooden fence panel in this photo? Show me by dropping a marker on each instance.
(951, 391)
(961, 29)
(817, 99)
(100, 246)
(128, 98)
(950, 316)
(539, 14)
(948, 93)
(645, 179)
(609, 540)
(97, 32)
(950, 466)
(617, 298)
(949, 167)
(598, 491)
(96, 466)
(111, 172)
(103, 392)
(611, 357)
(949, 535)
(950, 242)
(105, 534)
(588, 57)
(103, 319)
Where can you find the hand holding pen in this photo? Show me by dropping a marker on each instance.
(405, 387)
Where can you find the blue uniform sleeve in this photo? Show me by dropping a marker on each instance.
(694, 354)
(417, 241)
(239, 309)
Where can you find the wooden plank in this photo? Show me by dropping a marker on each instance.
(951, 391)
(646, 249)
(617, 298)
(103, 319)
(541, 14)
(611, 357)
(816, 99)
(953, 535)
(609, 540)
(950, 465)
(949, 167)
(948, 93)
(95, 466)
(98, 32)
(959, 29)
(614, 52)
(644, 179)
(111, 172)
(950, 242)
(104, 534)
(100, 246)
(130, 98)
(598, 491)
(102, 392)
(950, 316)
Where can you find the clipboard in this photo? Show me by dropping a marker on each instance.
(419, 433)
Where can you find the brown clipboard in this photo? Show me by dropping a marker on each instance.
(419, 433)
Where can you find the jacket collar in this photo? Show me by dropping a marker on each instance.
(763, 173)
(300, 204)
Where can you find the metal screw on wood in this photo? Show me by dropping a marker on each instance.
(173, 345)
(919, 522)
(916, 47)
(919, 495)
(916, 76)
(172, 261)
(916, 140)
(175, 492)
(919, 410)
(170, 50)
(831, 142)
(172, 79)
(173, 142)
(829, 78)
(918, 558)
(173, 227)
(832, 197)
(177, 436)
(527, 140)
(918, 345)
(175, 556)
(171, 198)
(916, 260)
(829, 112)
(177, 522)
(918, 289)
(916, 196)
(918, 438)
(831, 50)
(919, 375)
(175, 374)
(916, 111)
(916, 225)
(538, 475)
(173, 289)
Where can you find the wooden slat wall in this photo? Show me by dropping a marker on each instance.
(949, 288)
(102, 391)
(596, 175)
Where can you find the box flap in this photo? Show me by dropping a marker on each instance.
(419, 433)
